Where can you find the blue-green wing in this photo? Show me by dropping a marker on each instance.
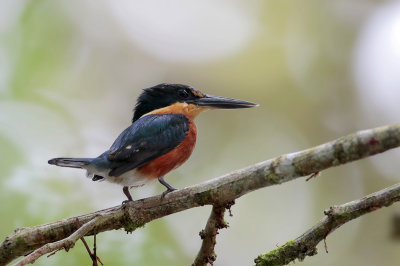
(145, 140)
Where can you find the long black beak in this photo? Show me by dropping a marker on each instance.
(222, 103)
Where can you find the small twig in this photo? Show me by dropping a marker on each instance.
(220, 190)
(51, 254)
(209, 234)
(94, 257)
(325, 244)
(229, 207)
(87, 247)
(66, 243)
(100, 260)
(83, 239)
(316, 174)
(84, 243)
(94, 244)
(336, 216)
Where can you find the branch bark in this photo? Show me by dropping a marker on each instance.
(219, 191)
(336, 216)
(209, 235)
(66, 243)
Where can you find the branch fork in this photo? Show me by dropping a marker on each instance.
(39, 240)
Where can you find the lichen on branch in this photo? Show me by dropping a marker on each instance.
(305, 245)
(219, 191)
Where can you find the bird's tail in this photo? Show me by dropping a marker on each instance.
(71, 162)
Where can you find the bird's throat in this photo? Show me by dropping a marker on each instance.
(189, 110)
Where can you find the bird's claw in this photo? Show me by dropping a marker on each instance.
(169, 190)
(126, 201)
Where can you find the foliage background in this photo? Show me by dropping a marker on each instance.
(70, 72)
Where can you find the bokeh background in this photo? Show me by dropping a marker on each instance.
(70, 72)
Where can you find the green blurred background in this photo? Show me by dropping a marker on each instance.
(70, 72)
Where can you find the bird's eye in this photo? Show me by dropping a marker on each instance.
(183, 93)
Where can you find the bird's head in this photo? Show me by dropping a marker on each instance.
(164, 95)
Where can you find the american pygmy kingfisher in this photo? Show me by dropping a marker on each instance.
(161, 137)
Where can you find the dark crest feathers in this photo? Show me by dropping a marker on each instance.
(163, 95)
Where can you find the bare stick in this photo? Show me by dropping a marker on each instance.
(66, 243)
(336, 216)
(83, 241)
(217, 191)
(87, 248)
(209, 235)
(93, 255)
(95, 258)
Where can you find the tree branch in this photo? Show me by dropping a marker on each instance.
(336, 216)
(217, 191)
(65, 243)
(209, 235)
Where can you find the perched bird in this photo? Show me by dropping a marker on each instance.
(161, 137)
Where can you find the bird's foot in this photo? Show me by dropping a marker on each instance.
(169, 190)
(127, 194)
(168, 186)
(126, 201)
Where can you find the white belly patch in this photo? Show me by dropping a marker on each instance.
(129, 179)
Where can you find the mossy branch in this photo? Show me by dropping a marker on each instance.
(336, 216)
(219, 191)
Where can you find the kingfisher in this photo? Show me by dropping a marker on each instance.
(161, 137)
